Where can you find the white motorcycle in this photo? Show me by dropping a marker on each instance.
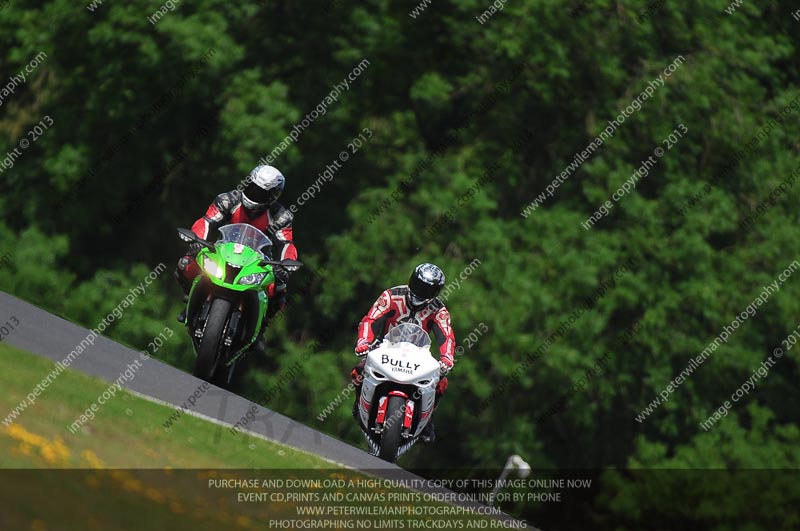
(398, 391)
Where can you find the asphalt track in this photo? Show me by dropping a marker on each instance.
(53, 337)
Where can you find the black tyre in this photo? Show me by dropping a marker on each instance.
(223, 376)
(208, 352)
(393, 425)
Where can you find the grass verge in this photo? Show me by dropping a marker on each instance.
(124, 470)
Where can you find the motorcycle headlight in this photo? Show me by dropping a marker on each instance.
(212, 269)
(252, 279)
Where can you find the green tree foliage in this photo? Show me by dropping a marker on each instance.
(152, 121)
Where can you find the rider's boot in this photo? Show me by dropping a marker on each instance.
(260, 346)
(182, 315)
(428, 434)
(357, 378)
(184, 284)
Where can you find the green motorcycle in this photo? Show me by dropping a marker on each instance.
(228, 302)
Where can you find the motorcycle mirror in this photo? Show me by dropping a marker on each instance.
(288, 265)
(291, 265)
(189, 236)
(185, 235)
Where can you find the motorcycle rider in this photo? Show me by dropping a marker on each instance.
(255, 204)
(417, 303)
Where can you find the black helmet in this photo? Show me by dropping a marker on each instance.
(425, 284)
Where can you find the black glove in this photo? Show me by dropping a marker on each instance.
(195, 248)
(281, 276)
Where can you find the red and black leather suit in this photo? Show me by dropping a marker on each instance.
(275, 221)
(391, 308)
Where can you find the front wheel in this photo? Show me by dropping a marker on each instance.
(390, 438)
(223, 376)
(208, 351)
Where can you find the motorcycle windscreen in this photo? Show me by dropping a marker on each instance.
(246, 235)
(409, 333)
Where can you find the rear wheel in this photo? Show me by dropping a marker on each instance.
(390, 437)
(208, 352)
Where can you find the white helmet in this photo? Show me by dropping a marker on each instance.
(264, 186)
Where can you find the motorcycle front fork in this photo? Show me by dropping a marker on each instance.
(380, 416)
